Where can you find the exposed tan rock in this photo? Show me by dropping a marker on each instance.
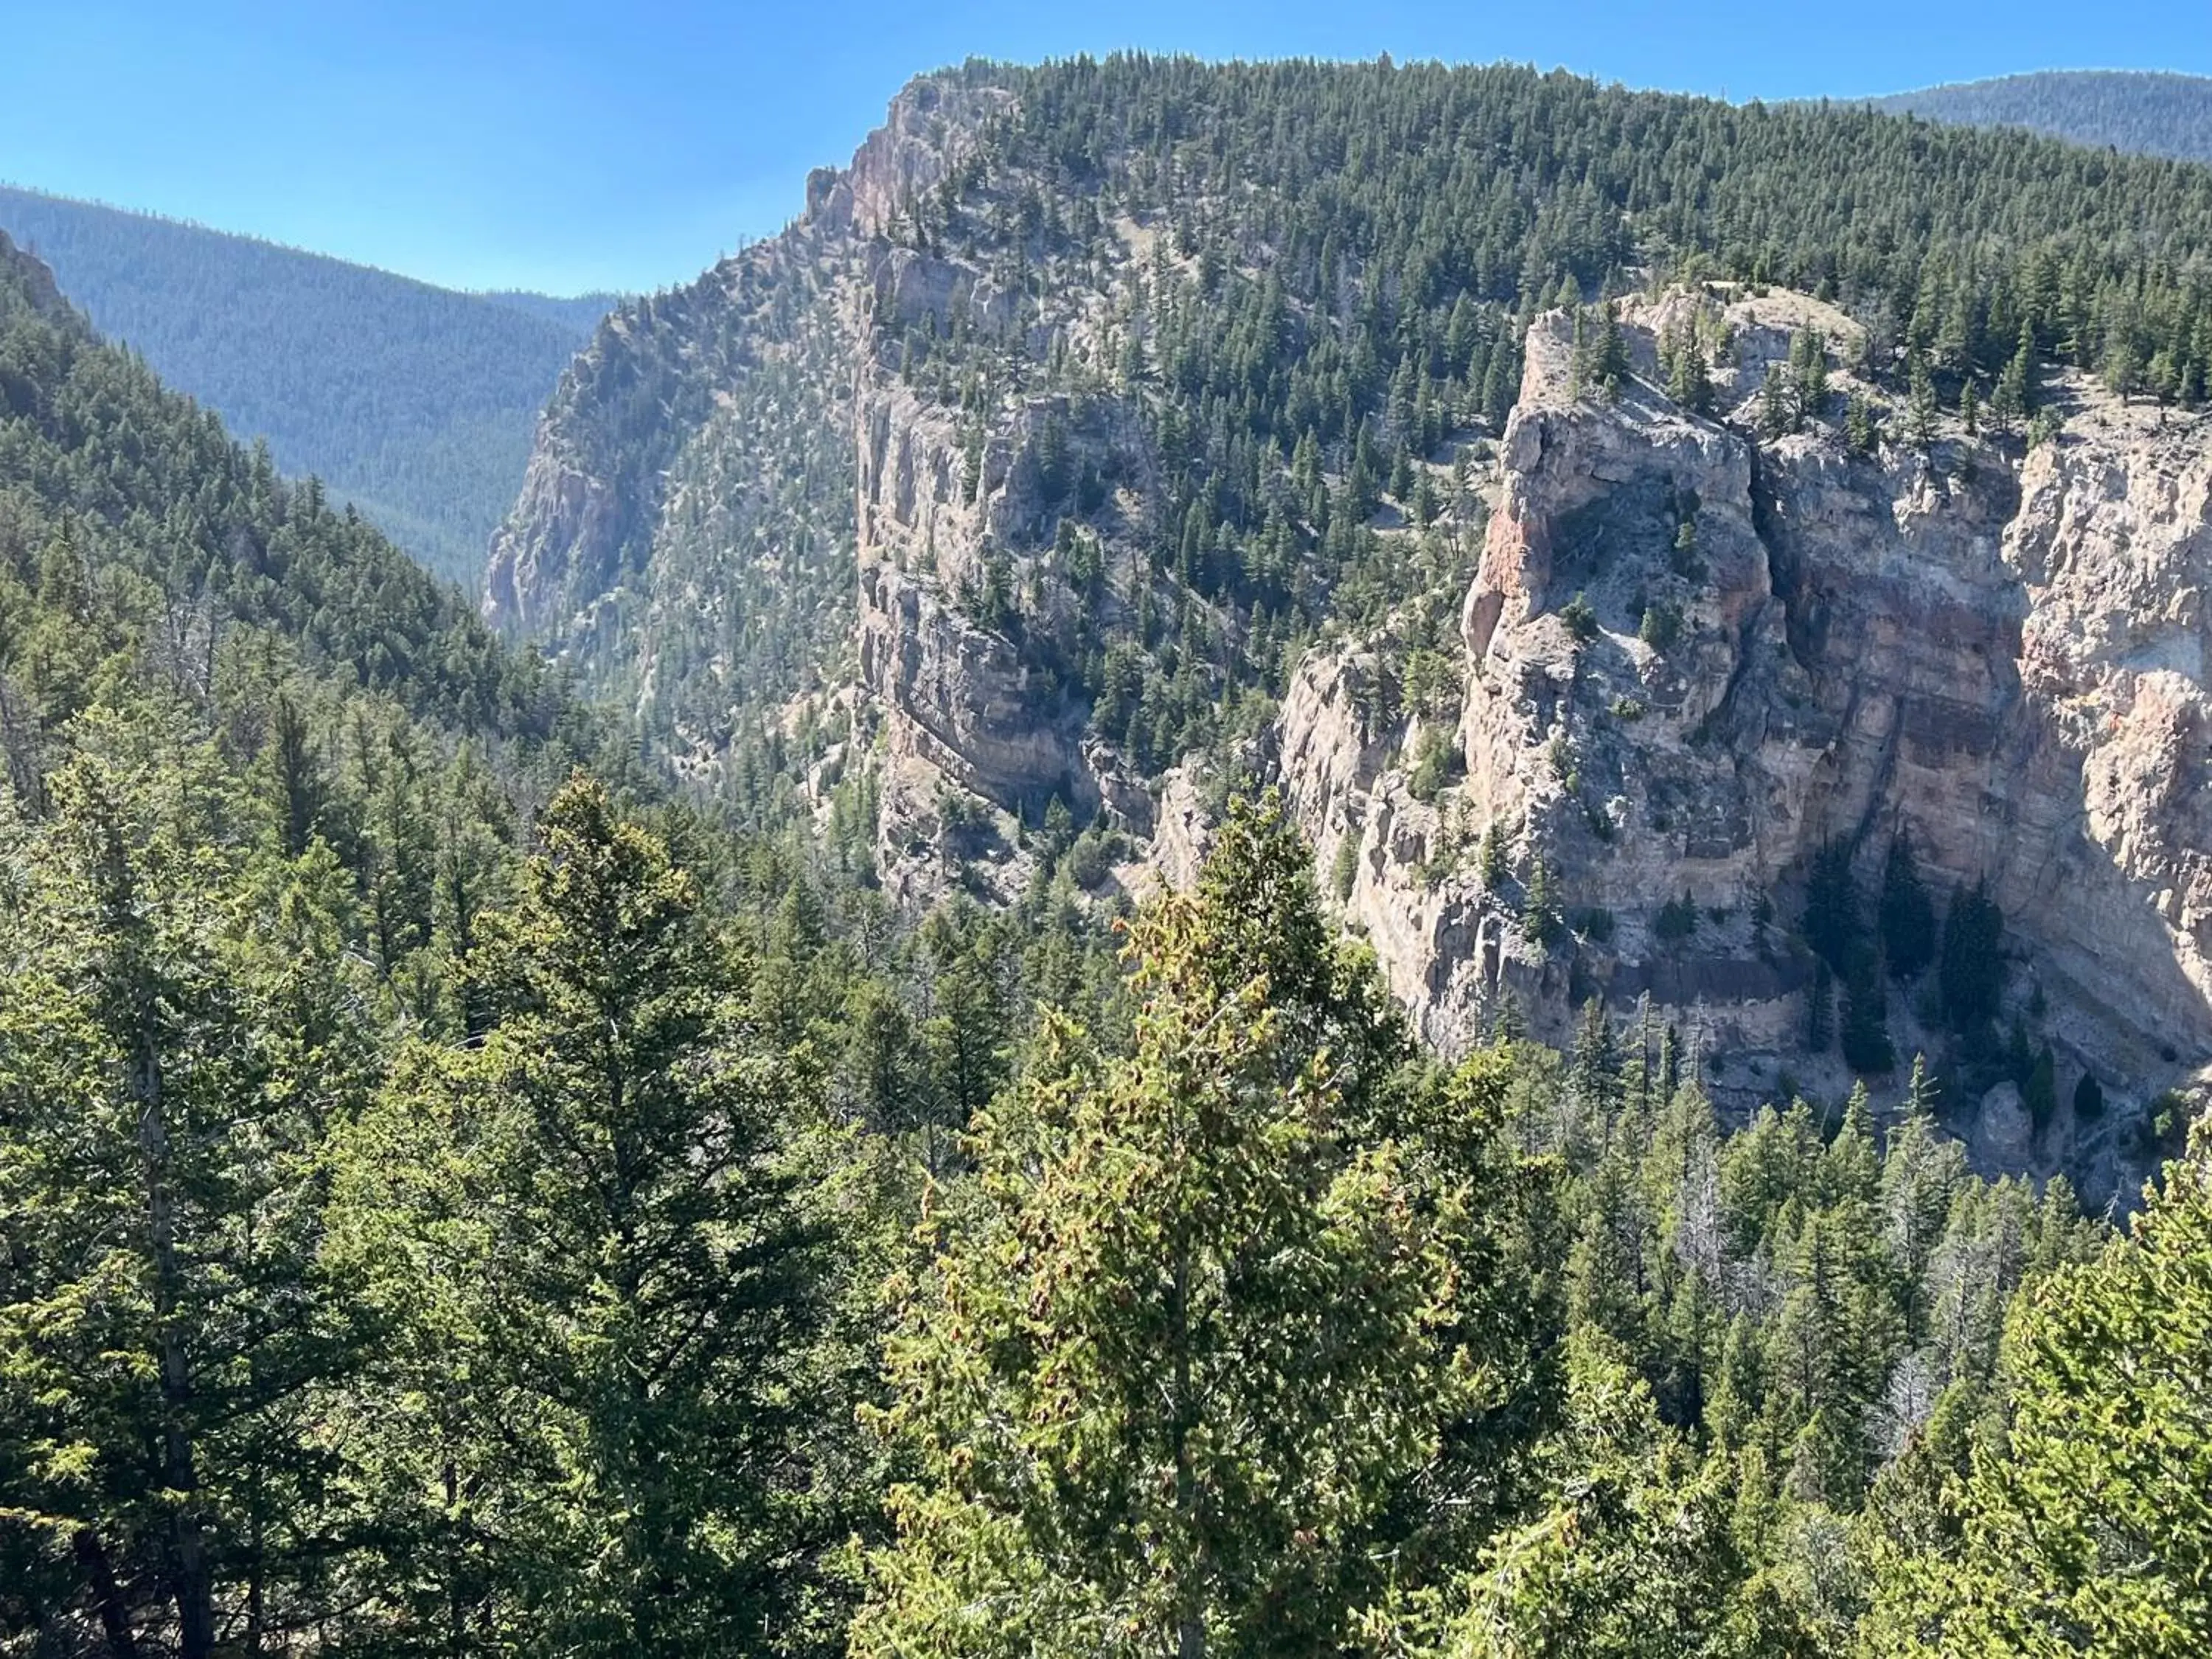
(2006, 658)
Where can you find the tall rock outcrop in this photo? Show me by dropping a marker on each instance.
(684, 530)
(1017, 469)
(1696, 657)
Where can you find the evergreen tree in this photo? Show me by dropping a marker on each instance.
(1832, 921)
(1907, 915)
(1639, 1553)
(1687, 382)
(1540, 914)
(1185, 1272)
(1864, 1033)
(175, 1034)
(1861, 435)
(1921, 408)
(1775, 416)
(1808, 366)
(2084, 1529)
(605, 1284)
(1969, 969)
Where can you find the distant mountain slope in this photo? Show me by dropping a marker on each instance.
(580, 314)
(415, 402)
(2150, 113)
(198, 561)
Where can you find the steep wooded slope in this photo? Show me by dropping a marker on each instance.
(141, 548)
(413, 402)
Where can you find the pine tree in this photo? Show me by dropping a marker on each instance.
(1906, 914)
(1864, 1033)
(1639, 1537)
(176, 1029)
(1609, 353)
(2013, 400)
(1492, 862)
(1921, 1175)
(1183, 1270)
(1776, 417)
(1861, 435)
(1832, 924)
(1687, 381)
(1971, 965)
(1500, 387)
(1540, 912)
(2085, 1528)
(1921, 407)
(1808, 371)
(604, 1282)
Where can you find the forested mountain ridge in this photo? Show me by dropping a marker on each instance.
(415, 402)
(152, 571)
(452, 1204)
(2148, 112)
(1180, 400)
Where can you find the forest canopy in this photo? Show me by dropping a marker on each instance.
(463, 1192)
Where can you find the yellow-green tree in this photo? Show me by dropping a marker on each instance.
(1189, 1333)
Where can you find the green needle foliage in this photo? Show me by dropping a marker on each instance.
(177, 1038)
(1163, 1379)
(1639, 1556)
(2087, 1529)
(627, 1272)
(456, 1201)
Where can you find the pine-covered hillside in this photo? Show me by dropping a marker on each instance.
(1110, 434)
(413, 402)
(154, 570)
(954, 1183)
(2142, 110)
(1252, 277)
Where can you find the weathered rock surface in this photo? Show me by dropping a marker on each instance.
(2004, 658)
(732, 388)
(1690, 656)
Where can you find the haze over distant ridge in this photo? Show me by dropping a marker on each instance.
(415, 402)
(2151, 112)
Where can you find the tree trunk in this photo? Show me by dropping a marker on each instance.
(456, 1601)
(106, 1595)
(187, 1547)
(1190, 1631)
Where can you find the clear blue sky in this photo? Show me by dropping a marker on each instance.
(550, 144)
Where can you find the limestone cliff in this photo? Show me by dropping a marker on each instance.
(960, 488)
(2001, 656)
(684, 532)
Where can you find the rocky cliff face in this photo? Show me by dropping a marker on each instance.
(1694, 658)
(738, 475)
(31, 278)
(964, 716)
(684, 530)
(930, 483)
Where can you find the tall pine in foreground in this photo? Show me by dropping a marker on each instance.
(1179, 1349)
(178, 1034)
(582, 1225)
